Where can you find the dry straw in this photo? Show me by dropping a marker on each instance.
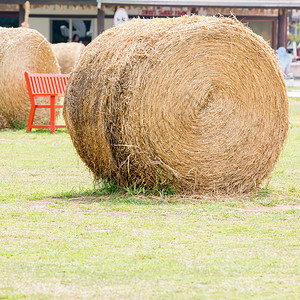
(194, 102)
(22, 49)
(3, 122)
(25, 24)
(67, 55)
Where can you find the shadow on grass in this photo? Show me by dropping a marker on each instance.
(111, 192)
(45, 131)
(89, 197)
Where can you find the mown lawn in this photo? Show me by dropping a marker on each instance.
(60, 240)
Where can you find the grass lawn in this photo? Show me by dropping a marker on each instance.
(59, 240)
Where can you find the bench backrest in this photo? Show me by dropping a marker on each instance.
(46, 84)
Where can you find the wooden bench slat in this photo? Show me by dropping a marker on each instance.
(47, 84)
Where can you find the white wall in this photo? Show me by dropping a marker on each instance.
(108, 23)
(42, 25)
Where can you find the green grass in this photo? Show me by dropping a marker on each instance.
(62, 237)
(293, 88)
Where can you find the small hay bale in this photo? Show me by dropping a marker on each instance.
(67, 55)
(194, 102)
(22, 49)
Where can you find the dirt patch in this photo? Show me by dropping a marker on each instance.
(233, 220)
(262, 209)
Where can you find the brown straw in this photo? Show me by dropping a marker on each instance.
(198, 103)
(3, 122)
(22, 49)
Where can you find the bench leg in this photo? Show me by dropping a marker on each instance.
(30, 118)
(52, 114)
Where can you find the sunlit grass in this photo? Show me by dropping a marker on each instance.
(64, 236)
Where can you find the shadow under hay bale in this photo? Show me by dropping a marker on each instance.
(67, 54)
(194, 102)
(22, 49)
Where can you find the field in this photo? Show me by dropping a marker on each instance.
(62, 237)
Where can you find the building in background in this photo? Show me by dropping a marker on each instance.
(87, 18)
(54, 19)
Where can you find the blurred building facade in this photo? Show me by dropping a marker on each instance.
(88, 18)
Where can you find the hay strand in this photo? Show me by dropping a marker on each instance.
(194, 102)
(25, 24)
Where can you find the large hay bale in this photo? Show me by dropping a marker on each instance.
(22, 49)
(67, 55)
(194, 102)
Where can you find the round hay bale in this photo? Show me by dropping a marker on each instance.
(198, 103)
(22, 49)
(67, 55)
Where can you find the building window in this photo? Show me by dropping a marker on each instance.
(8, 20)
(60, 31)
(263, 28)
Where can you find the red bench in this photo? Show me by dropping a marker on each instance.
(45, 85)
